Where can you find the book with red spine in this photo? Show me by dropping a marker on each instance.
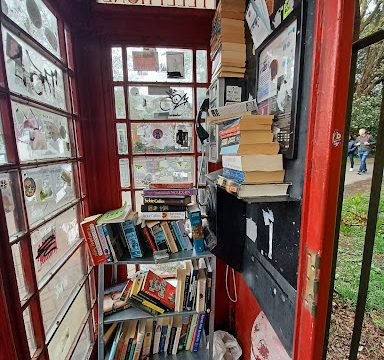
(88, 227)
(149, 239)
(160, 289)
(175, 185)
(167, 192)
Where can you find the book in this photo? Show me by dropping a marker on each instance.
(104, 243)
(132, 350)
(186, 319)
(254, 177)
(167, 200)
(180, 286)
(167, 321)
(175, 185)
(130, 235)
(227, 46)
(254, 190)
(198, 332)
(161, 208)
(160, 289)
(190, 304)
(177, 215)
(246, 122)
(187, 280)
(149, 238)
(88, 228)
(247, 137)
(109, 333)
(169, 237)
(200, 291)
(115, 299)
(121, 342)
(157, 335)
(177, 324)
(208, 289)
(172, 336)
(158, 235)
(249, 149)
(145, 305)
(115, 216)
(169, 192)
(113, 237)
(146, 352)
(194, 215)
(174, 236)
(187, 240)
(128, 341)
(253, 162)
(168, 335)
(191, 331)
(139, 339)
(116, 341)
(178, 236)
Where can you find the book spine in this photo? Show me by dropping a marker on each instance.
(109, 241)
(165, 192)
(168, 335)
(132, 351)
(176, 240)
(197, 231)
(161, 208)
(192, 290)
(156, 338)
(129, 231)
(185, 185)
(164, 201)
(179, 215)
(139, 340)
(162, 338)
(149, 239)
(103, 242)
(198, 332)
(184, 234)
(184, 332)
(230, 135)
(138, 304)
(178, 236)
(229, 150)
(115, 342)
(171, 340)
(228, 185)
(186, 290)
(208, 294)
(229, 130)
(156, 302)
(168, 235)
(159, 236)
(90, 235)
(231, 140)
(177, 340)
(237, 176)
(191, 331)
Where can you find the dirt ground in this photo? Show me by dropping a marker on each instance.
(342, 320)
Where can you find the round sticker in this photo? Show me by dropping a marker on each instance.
(157, 134)
(29, 187)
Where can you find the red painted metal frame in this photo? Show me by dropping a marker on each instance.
(331, 66)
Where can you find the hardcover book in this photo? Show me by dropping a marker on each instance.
(88, 227)
(158, 235)
(167, 200)
(197, 228)
(175, 185)
(129, 232)
(176, 215)
(167, 192)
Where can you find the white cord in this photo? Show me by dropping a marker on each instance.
(234, 284)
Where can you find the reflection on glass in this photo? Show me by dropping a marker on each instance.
(138, 200)
(117, 64)
(202, 166)
(40, 134)
(160, 102)
(159, 65)
(52, 241)
(84, 344)
(65, 335)
(30, 74)
(119, 102)
(201, 66)
(162, 169)
(36, 19)
(68, 48)
(155, 138)
(126, 198)
(124, 173)
(11, 195)
(56, 293)
(47, 189)
(3, 150)
(122, 139)
(29, 331)
(201, 94)
(17, 262)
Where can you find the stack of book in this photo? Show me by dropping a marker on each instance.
(139, 339)
(228, 50)
(252, 165)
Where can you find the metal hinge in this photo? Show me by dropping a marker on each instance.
(312, 287)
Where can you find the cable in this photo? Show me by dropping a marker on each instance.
(234, 284)
(200, 172)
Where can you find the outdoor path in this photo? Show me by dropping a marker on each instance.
(355, 183)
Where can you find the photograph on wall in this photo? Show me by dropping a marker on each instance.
(175, 65)
(276, 73)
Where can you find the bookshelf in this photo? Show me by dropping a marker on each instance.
(132, 313)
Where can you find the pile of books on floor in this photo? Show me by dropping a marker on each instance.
(228, 50)
(252, 165)
(121, 234)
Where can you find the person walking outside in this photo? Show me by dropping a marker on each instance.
(351, 151)
(364, 143)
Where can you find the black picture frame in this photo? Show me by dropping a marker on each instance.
(287, 138)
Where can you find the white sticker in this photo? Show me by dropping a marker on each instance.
(233, 93)
(251, 229)
(268, 221)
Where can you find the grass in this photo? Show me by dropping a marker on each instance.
(352, 236)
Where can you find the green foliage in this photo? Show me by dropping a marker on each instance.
(352, 236)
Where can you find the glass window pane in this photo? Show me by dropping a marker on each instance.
(201, 66)
(56, 293)
(47, 189)
(200, 97)
(52, 241)
(119, 102)
(124, 173)
(13, 208)
(30, 74)
(202, 166)
(159, 65)
(117, 64)
(68, 47)
(158, 138)
(40, 135)
(3, 150)
(160, 102)
(18, 264)
(84, 344)
(92, 286)
(126, 198)
(36, 19)
(138, 200)
(162, 169)
(29, 331)
(65, 335)
(122, 139)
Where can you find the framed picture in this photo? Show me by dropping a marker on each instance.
(278, 62)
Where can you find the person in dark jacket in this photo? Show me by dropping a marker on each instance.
(351, 151)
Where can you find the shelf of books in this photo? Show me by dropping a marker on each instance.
(154, 313)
